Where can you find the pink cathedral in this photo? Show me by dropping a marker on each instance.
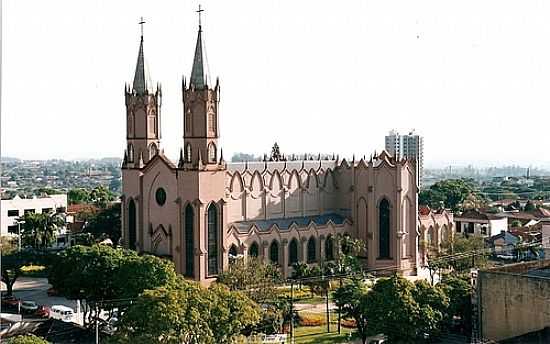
(202, 210)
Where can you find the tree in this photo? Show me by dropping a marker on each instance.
(100, 273)
(516, 224)
(78, 196)
(433, 303)
(186, 313)
(39, 230)
(101, 196)
(351, 300)
(451, 193)
(26, 339)
(391, 301)
(529, 206)
(106, 223)
(13, 262)
(255, 278)
(459, 291)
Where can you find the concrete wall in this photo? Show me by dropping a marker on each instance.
(21, 204)
(512, 303)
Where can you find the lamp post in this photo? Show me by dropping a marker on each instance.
(19, 234)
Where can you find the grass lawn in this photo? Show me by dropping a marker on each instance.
(318, 335)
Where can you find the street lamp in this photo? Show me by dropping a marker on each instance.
(19, 234)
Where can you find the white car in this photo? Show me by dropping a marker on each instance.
(62, 313)
(29, 306)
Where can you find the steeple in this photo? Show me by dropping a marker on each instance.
(142, 80)
(197, 73)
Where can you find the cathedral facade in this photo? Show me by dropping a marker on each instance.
(201, 211)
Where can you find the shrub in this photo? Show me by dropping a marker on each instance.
(312, 319)
(26, 339)
(348, 323)
(34, 271)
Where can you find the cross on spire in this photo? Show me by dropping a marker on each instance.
(141, 22)
(199, 12)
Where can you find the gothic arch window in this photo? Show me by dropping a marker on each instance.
(188, 122)
(132, 225)
(211, 122)
(189, 241)
(212, 239)
(131, 125)
(311, 250)
(329, 248)
(253, 251)
(274, 252)
(384, 229)
(130, 153)
(212, 153)
(188, 152)
(293, 252)
(153, 150)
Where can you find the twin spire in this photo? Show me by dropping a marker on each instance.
(142, 80)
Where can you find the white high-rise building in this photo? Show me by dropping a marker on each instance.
(410, 145)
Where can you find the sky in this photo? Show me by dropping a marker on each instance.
(472, 77)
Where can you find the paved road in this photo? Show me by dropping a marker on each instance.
(35, 289)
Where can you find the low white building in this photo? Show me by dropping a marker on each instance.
(12, 209)
(473, 222)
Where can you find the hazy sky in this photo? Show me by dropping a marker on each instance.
(473, 77)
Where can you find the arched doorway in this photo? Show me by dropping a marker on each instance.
(254, 250)
(189, 242)
(384, 229)
(132, 225)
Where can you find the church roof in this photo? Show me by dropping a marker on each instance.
(142, 79)
(286, 223)
(197, 73)
(280, 165)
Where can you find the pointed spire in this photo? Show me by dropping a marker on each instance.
(140, 163)
(221, 156)
(197, 73)
(181, 161)
(125, 160)
(141, 77)
(200, 164)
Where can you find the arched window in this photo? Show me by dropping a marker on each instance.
(293, 252)
(153, 150)
(329, 247)
(188, 155)
(253, 251)
(188, 121)
(211, 122)
(311, 250)
(384, 229)
(233, 253)
(212, 240)
(130, 153)
(274, 252)
(189, 241)
(132, 228)
(212, 153)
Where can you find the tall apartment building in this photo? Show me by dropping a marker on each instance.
(409, 146)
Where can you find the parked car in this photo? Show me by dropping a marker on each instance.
(29, 306)
(10, 302)
(62, 313)
(43, 311)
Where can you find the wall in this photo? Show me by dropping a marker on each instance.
(52, 202)
(512, 303)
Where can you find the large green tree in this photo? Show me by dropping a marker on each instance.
(99, 273)
(78, 196)
(351, 298)
(451, 193)
(391, 308)
(185, 312)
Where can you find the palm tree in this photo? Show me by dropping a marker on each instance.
(39, 230)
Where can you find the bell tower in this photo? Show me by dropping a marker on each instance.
(200, 111)
(142, 114)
